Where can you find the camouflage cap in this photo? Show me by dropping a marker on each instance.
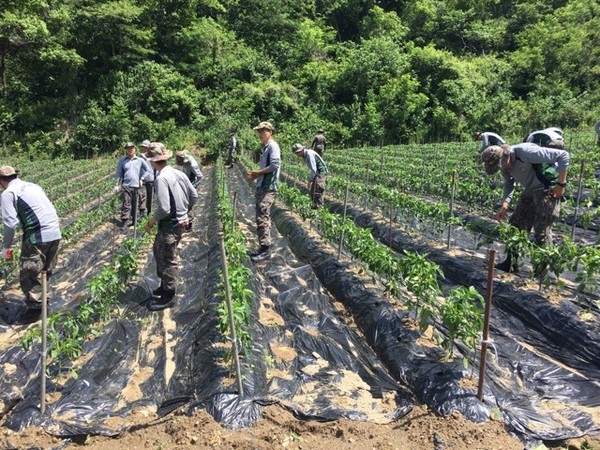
(145, 143)
(264, 126)
(130, 145)
(7, 171)
(492, 157)
(183, 155)
(297, 148)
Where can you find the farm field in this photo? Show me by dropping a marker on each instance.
(344, 346)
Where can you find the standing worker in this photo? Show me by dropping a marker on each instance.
(189, 166)
(27, 205)
(149, 180)
(539, 204)
(487, 138)
(231, 151)
(130, 172)
(319, 143)
(175, 197)
(318, 173)
(266, 178)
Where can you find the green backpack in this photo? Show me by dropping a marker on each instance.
(546, 173)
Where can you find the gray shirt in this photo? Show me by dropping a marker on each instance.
(521, 170)
(26, 204)
(271, 160)
(131, 171)
(175, 196)
(315, 163)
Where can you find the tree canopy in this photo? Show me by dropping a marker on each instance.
(85, 76)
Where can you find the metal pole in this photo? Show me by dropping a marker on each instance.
(44, 342)
(343, 221)
(579, 188)
(136, 196)
(236, 356)
(486, 322)
(233, 212)
(453, 191)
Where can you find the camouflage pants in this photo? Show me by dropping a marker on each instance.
(143, 209)
(165, 253)
(538, 210)
(130, 198)
(34, 259)
(264, 201)
(319, 149)
(316, 191)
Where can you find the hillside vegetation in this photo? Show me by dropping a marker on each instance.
(84, 76)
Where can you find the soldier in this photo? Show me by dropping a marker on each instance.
(188, 165)
(129, 176)
(318, 173)
(266, 185)
(149, 180)
(539, 204)
(319, 143)
(26, 204)
(175, 197)
(231, 151)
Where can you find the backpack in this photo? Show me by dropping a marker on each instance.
(546, 173)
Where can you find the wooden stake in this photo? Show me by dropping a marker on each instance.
(486, 322)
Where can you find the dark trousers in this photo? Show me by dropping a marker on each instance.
(34, 259)
(536, 210)
(149, 192)
(165, 253)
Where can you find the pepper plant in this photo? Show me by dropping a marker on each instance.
(462, 317)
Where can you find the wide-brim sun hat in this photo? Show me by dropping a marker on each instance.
(157, 154)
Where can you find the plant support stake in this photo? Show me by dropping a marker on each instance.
(236, 355)
(579, 188)
(486, 321)
(233, 212)
(453, 191)
(44, 342)
(343, 222)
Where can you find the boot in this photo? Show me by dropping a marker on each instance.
(263, 253)
(509, 264)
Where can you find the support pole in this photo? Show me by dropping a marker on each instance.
(579, 188)
(486, 322)
(234, 210)
(453, 191)
(343, 221)
(44, 342)
(236, 355)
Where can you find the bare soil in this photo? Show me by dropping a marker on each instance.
(279, 429)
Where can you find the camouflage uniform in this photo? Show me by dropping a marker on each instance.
(319, 144)
(264, 201)
(165, 253)
(316, 191)
(35, 259)
(538, 210)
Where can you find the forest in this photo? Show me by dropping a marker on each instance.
(81, 77)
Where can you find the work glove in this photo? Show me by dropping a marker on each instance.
(6, 254)
(117, 189)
